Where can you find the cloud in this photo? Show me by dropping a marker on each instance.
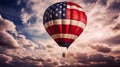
(11, 38)
(101, 22)
(101, 58)
(6, 38)
(79, 59)
(82, 58)
(115, 50)
(113, 40)
(5, 59)
(26, 43)
(117, 27)
(101, 48)
(30, 61)
(115, 5)
(94, 58)
(117, 59)
(103, 2)
(90, 1)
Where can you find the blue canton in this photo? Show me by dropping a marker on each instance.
(56, 11)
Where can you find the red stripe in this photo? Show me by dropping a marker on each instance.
(76, 15)
(64, 40)
(66, 29)
(71, 3)
(54, 29)
(75, 30)
(83, 17)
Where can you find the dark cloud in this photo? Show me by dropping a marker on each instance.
(101, 58)
(113, 40)
(103, 2)
(25, 63)
(115, 5)
(29, 61)
(81, 57)
(94, 65)
(94, 60)
(83, 60)
(89, 1)
(116, 52)
(115, 17)
(116, 27)
(101, 48)
(5, 59)
(97, 58)
(117, 60)
(50, 46)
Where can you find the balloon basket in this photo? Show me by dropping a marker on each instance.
(63, 55)
(64, 51)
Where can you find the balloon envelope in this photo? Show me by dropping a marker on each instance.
(64, 22)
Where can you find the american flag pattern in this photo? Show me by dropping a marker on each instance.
(64, 22)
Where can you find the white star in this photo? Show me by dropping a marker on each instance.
(50, 15)
(45, 17)
(50, 10)
(63, 8)
(64, 4)
(57, 9)
(56, 14)
(63, 14)
(61, 3)
(57, 4)
(53, 12)
(60, 6)
(60, 12)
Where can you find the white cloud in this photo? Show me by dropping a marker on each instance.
(5, 59)
(101, 47)
(26, 42)
(6, 38)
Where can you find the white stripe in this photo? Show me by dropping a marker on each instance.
(69, 36)
(75, 7)
(65, 22)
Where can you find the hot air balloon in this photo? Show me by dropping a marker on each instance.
(64, 22)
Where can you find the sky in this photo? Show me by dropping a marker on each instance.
(24, 41)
